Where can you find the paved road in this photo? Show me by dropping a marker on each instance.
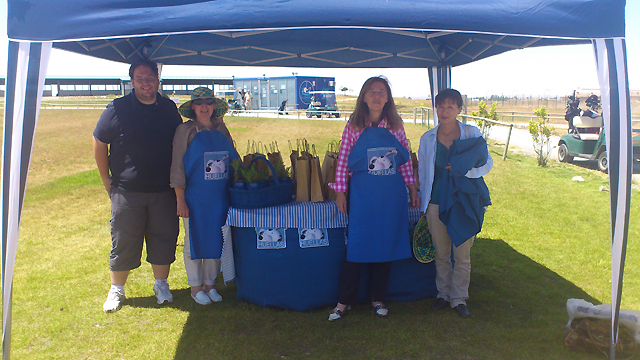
(521, 142)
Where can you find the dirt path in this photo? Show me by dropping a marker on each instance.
(521, 142)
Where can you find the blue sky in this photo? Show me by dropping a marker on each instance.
(555, 70)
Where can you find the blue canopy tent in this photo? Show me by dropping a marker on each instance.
(435, 35)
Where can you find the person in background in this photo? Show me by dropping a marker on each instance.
(374, 148)
(132, 145)
(202, 151)
(247, 100)
(452, 281)
(283, 107)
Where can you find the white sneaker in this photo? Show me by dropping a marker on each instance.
(214, 296)
(162, 293)
(201, 298)
(114, 301)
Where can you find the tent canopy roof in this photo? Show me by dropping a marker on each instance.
(305, 33)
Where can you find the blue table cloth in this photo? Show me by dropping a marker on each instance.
(290, 275)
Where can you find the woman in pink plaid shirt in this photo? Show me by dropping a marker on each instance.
(374, 152)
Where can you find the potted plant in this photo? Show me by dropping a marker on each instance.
(282, 171)
(263, 176)
(253, 177)
(238, 180)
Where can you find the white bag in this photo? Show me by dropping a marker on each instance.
(578, 308)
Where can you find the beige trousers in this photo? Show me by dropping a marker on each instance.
(200, 271)
(452, 280)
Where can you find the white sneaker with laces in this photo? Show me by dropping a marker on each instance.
(201, 298)
(162, 293)
(214, 296)
(114, 301)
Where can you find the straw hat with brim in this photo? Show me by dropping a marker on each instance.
(221, 108)
(198, 93)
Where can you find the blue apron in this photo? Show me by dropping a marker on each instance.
(378, 206)
(206, 165)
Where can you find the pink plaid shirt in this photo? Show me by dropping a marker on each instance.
(349, 139)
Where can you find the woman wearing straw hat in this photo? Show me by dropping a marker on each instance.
(202, 152)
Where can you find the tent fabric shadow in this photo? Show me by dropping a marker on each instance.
(517, 305)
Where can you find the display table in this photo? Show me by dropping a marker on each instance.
(289, 256)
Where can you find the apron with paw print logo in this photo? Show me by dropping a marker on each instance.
(206, 165)
(378, 205)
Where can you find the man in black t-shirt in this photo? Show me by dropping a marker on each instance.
(132, 145)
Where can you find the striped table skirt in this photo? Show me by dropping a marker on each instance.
(299, 215)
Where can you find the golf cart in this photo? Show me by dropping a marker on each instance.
(582, 144)
(316, 107)
(586, 137)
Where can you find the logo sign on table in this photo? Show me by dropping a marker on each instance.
(216, 165)
(270, 238)
(313, 237)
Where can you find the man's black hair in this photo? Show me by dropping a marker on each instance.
(143, 62)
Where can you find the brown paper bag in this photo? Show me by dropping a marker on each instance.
(329, 193)
(293, 157)
(303, 178)
(249, 156)
(329, 169)
(317, 183)
(261, 166)
(247, 159)
(273, 154)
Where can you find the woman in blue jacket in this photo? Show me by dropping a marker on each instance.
(452, 282)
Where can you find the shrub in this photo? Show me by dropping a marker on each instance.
(482, 112)
(540, 131)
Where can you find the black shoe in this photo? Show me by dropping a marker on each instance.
(463, 311)
(439, 304)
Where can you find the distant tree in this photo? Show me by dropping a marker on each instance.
(344, 90)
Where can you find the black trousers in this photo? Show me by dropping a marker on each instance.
(350, 278)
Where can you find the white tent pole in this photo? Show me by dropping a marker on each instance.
(26, 70)
(439, 79)
(614, 89)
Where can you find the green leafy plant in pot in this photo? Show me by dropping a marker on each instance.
(253, 177)
(263, 176)
(283, 172)
(238, 180)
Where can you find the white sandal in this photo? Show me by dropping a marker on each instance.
(337, 314)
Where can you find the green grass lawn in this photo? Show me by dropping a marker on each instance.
(545, 239)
